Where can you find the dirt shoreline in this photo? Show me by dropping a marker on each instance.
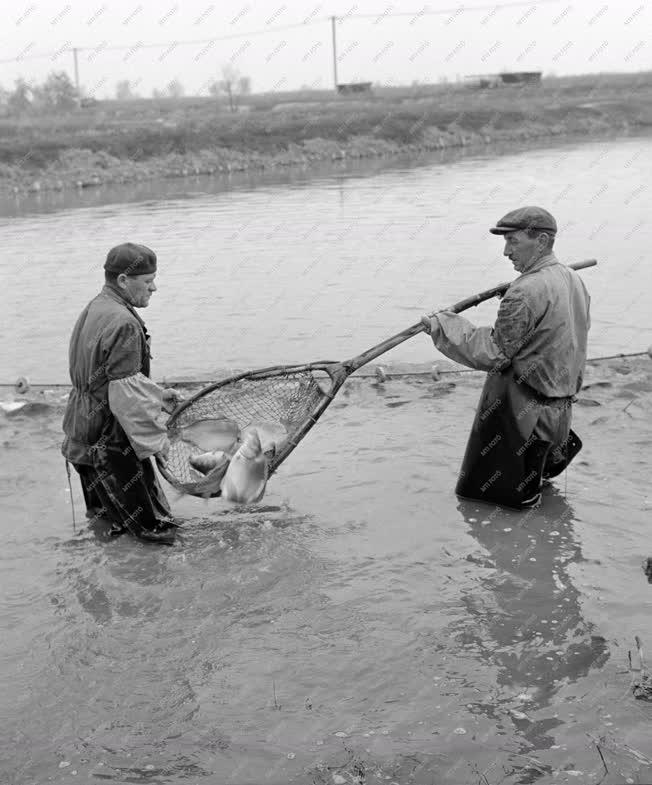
(81, 168)
(145, 140)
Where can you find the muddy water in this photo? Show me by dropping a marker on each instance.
(361, 625)
(318, 269)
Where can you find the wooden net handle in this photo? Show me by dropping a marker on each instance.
(476, 299)
(362, 359)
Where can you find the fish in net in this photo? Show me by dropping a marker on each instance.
(277, 406)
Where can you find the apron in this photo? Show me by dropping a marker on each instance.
(518, 437)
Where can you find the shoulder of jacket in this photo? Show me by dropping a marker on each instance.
(523, 287)
(532, 281)
(112, 316)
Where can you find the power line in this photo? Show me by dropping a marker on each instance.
(333, 19)
(164, 44)
(343, 18)
(451, 11)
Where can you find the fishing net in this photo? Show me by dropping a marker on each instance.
(286, 399)
(290, 398)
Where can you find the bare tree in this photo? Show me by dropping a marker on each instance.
(232, 84)
(175, 89)
(244, 85)
(124, 91)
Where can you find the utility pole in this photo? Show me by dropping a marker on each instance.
(74, 54)
(333, 21)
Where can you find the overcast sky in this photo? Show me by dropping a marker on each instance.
(564, 37)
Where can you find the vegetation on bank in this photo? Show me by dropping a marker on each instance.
(122, 141)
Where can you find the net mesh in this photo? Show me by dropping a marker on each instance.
(287, 400)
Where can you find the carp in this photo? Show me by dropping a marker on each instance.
(271, 435)
(246, 476)
(213, 466)
(209, 435)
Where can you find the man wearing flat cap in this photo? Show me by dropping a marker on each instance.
(113, 422)
(534, 356)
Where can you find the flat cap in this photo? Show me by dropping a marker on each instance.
(131, 259)
(526, 218)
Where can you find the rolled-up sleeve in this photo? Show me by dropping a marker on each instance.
(463, 342)
(135, 402)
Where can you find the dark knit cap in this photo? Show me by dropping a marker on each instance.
(131, 259)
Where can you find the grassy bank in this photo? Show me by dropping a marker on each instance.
(144, 139)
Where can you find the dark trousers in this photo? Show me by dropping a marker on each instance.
(517, 440)
(124, 490)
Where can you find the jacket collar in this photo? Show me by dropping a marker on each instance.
(115, 294)
(544, 261)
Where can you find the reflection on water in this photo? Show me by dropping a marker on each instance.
(533, 628)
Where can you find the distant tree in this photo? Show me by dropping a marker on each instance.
(20, 100)
(244, 85)
(156, 93)
(175, 89)
(232, 84)
(57, 92)
(124, 91)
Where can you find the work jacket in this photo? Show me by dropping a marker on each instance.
(534, 355)
(113, 403)
(540, 332)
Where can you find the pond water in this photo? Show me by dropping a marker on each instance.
(324, 268)
(361, 625)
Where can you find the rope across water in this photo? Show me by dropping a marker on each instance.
(23, 382)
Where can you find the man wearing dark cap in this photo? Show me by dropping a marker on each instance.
(534, 356)
(113, 421)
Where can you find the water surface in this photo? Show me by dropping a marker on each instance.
(322, 269)
(361, 625)
(361, 622)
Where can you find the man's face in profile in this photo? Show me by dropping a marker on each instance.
(522, 249)
(139, 288)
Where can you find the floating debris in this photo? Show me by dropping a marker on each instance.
(12, 406)
(641, 680)
(647, 568)
(588, 402)
(22, 385)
